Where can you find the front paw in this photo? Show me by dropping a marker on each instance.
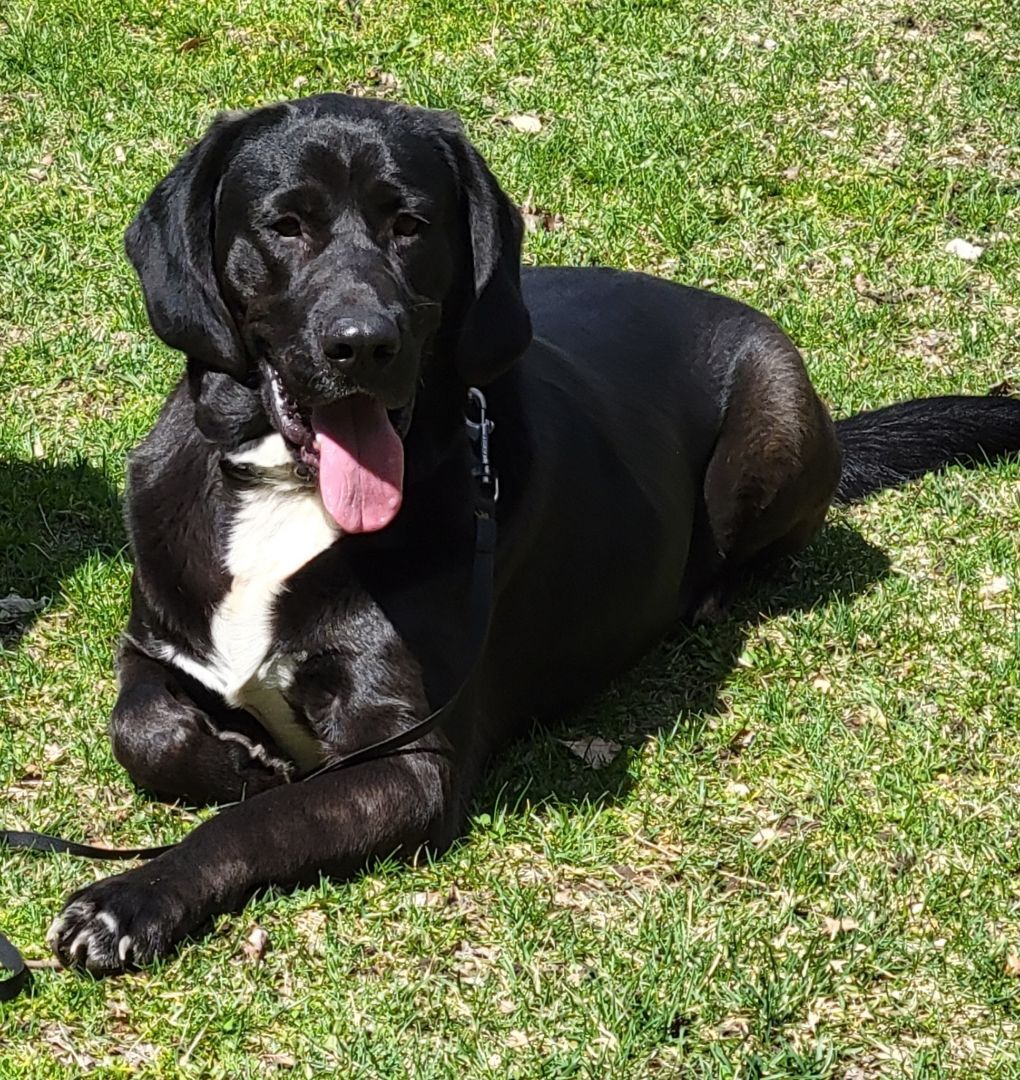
(118, 923)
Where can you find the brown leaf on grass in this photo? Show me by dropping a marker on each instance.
(428, 898)
(31, 777)
(596, 753)
(575, 899)
(867, 716)
(1012, 965)
(834, 927)
(759, 41)
(311, 925)
(764, 836)
(734, 1027)
(639, 879)
(239, 35)
(472, 963)
(256, 946)
(449, 900)
(864, 287)
(118, 1010)
(994, 586)
(192, 43)
(278, 1059)
(526, 123)
(539, 220)
(376, 83)
(128, 1046)
(742, 740)
(61, 1041)
(39, 173)
(137, 1054)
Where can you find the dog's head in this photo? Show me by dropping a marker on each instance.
(326, 253)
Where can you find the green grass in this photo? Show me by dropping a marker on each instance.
(849, 754)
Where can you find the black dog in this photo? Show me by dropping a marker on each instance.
(337, 272)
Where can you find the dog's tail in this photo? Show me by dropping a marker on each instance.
(888, 447)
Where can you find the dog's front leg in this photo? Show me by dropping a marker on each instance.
(333, 824)
(174, 747)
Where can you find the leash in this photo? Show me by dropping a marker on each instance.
(482, 582)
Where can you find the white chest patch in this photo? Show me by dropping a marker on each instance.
(279, 526)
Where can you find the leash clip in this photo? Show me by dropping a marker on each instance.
(479, 432)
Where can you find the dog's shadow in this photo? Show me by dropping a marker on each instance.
(678, 683)
(53, 518)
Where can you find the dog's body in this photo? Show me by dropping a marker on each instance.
(653, 442)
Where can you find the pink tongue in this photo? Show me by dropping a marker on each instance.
(361, 463)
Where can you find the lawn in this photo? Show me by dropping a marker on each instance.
(803, 861)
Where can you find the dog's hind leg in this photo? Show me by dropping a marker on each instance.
(774, 469)
(175, 741)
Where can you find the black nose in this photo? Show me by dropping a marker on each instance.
(361, 343)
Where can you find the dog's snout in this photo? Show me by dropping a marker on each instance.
(361, 343)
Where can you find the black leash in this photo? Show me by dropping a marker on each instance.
(20, 976)
(482, 580)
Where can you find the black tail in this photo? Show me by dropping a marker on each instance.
(888, 447)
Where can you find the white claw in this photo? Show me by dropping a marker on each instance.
(55, 930)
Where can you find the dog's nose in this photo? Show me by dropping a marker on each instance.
(361, 343)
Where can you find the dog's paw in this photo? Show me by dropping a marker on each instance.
(117, 924)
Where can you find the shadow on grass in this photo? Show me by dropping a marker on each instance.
(52, 519)
(679, 682)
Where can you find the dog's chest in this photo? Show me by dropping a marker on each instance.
(278, 526)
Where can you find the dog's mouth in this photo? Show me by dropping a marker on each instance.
(353, 447)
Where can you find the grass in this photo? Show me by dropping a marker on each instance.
(804, 861)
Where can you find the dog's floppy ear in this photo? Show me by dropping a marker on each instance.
(169, 244)
(495, 326)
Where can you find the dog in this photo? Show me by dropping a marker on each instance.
(338, 272)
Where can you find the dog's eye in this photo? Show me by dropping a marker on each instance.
(407, 225)
(288, 225)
